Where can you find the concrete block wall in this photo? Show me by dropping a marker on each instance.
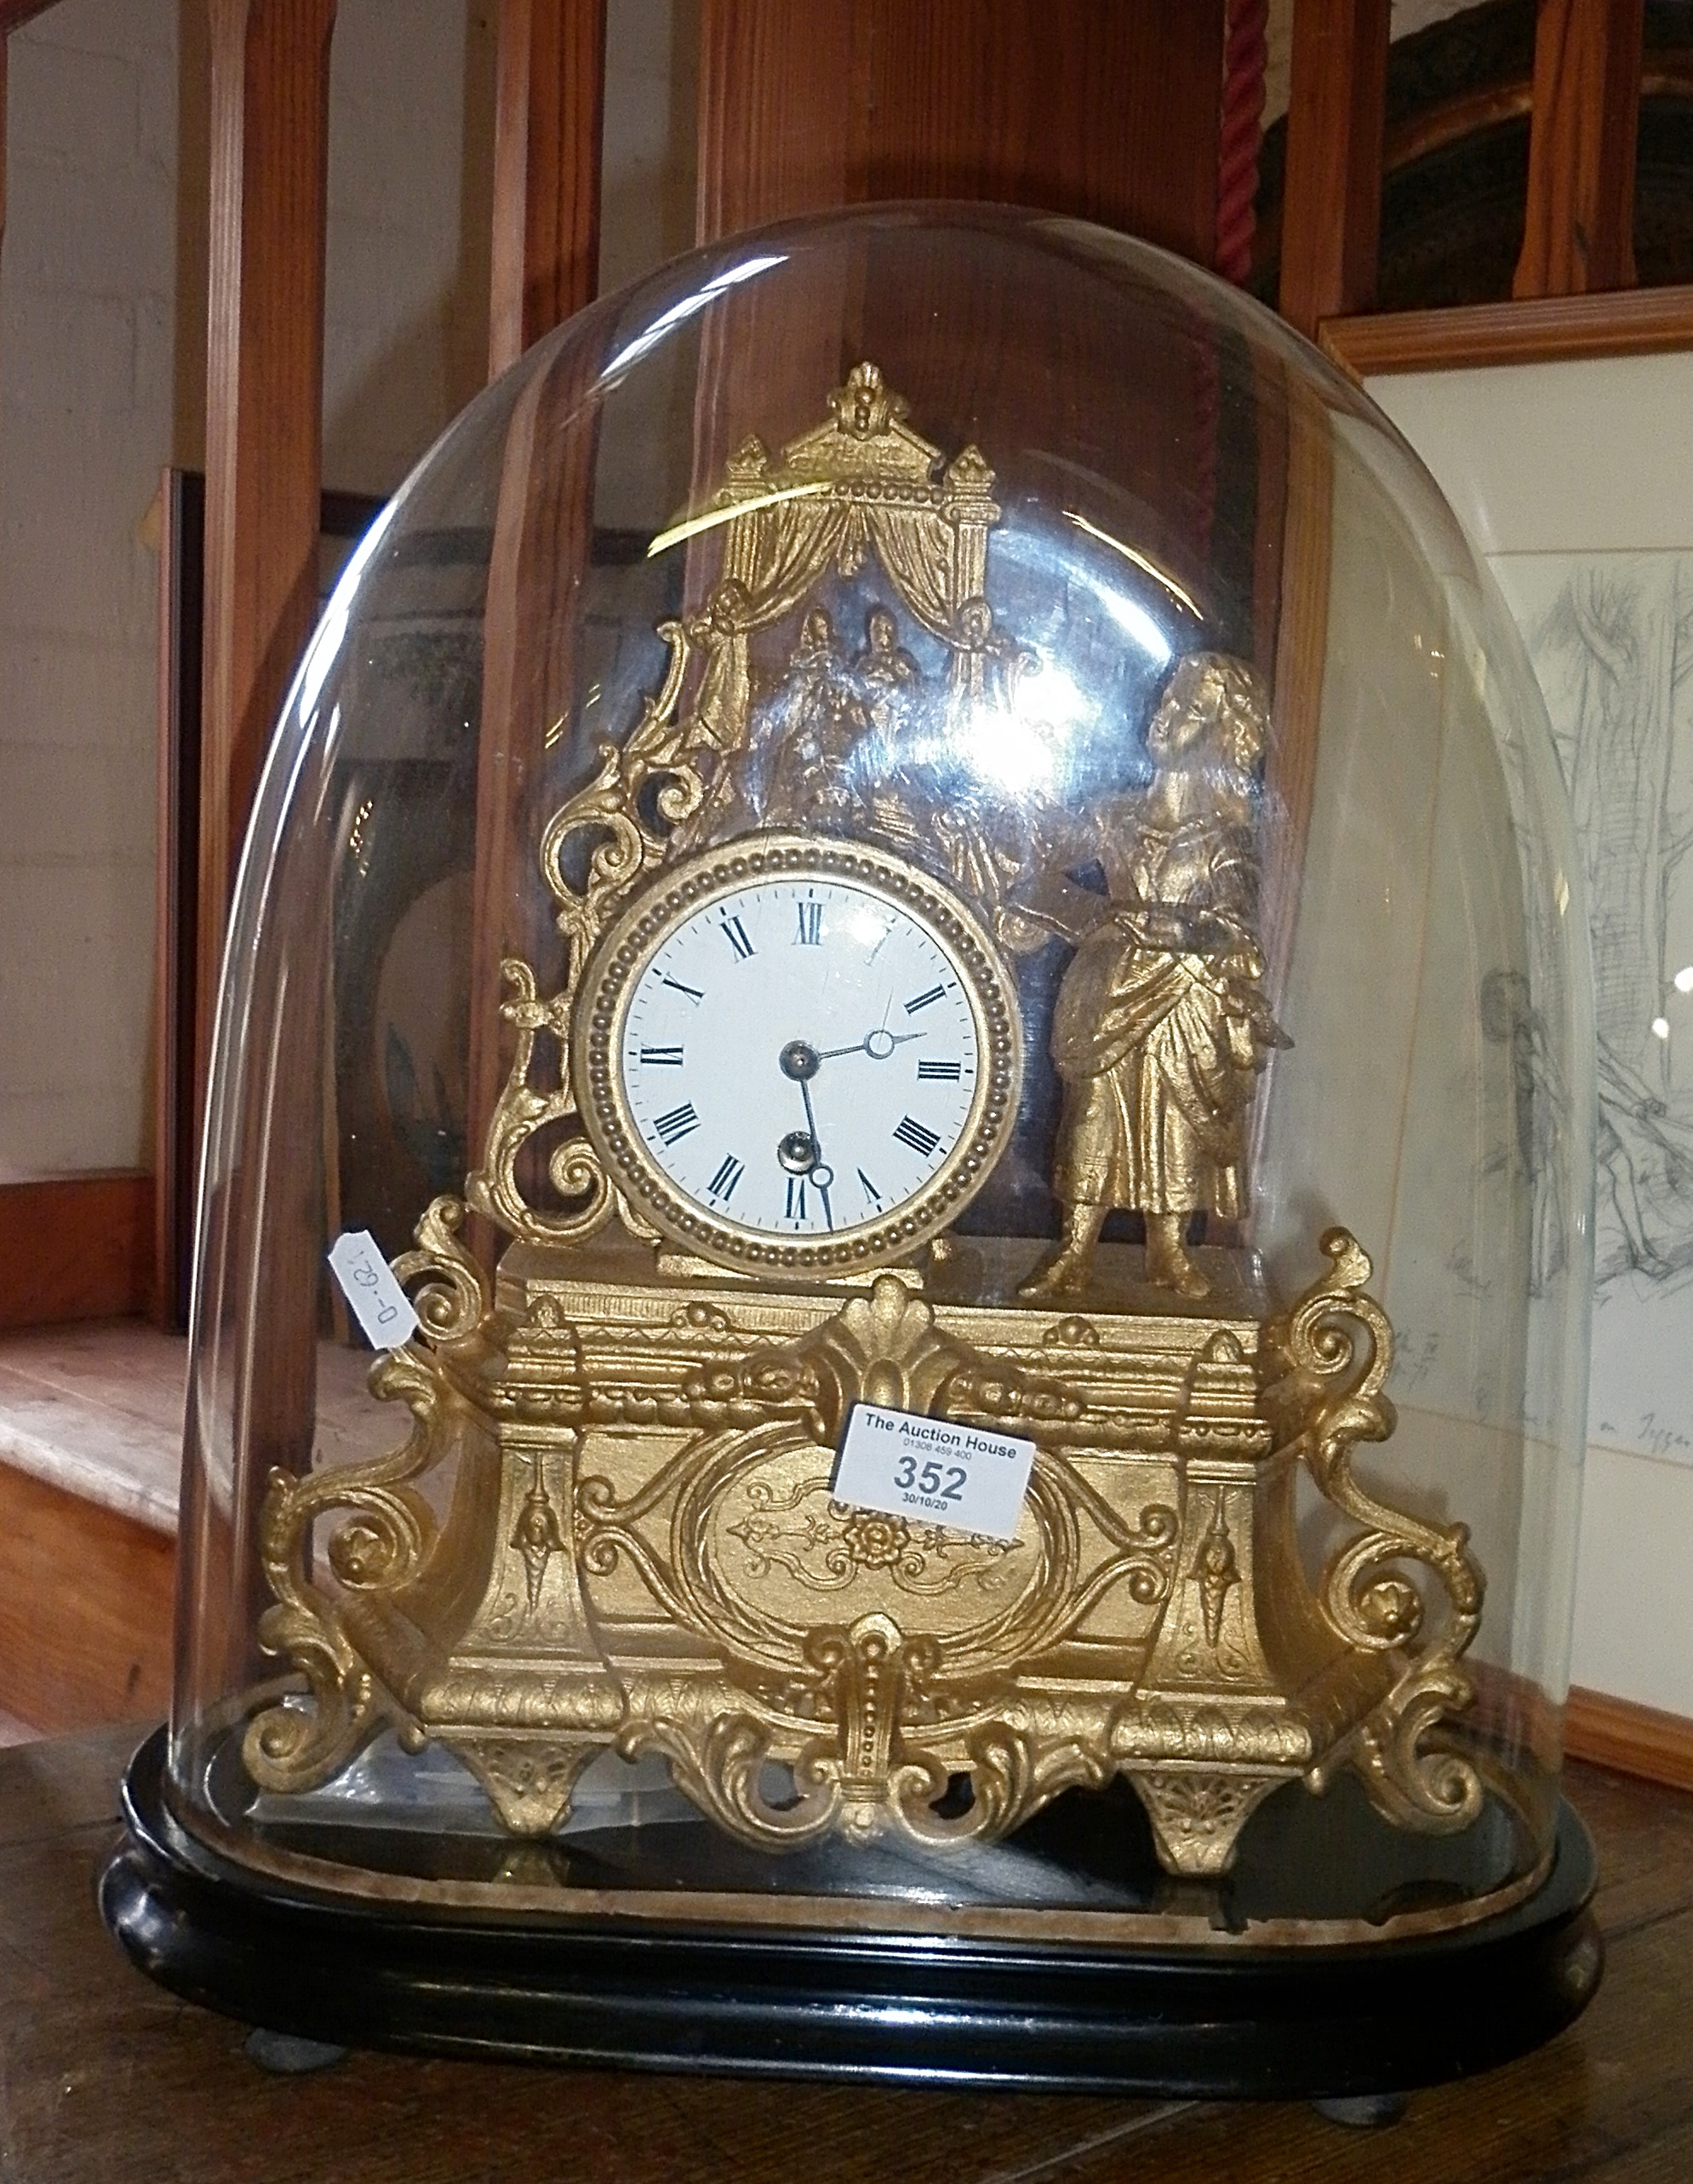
(647, 216)
(405, 313)
(87, 289)
(647, 181)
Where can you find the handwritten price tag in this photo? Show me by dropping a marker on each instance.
(381, 1307)
(905, 1466)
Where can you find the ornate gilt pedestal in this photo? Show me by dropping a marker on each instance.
(640, 1549)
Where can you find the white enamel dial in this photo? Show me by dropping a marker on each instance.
(812, 1052)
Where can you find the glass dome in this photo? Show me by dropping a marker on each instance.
(919, 890)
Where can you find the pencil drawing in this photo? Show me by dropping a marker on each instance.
(1613, 651)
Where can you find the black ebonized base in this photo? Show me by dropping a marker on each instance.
(1321, 2023)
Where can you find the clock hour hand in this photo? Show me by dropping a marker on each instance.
(879, 1045)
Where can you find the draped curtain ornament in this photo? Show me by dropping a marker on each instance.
(915, 547)
(863, 482)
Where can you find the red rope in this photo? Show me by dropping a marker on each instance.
(1240, 136)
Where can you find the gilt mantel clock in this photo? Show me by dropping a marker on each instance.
(1000, 790)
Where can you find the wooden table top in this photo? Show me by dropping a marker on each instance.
(105, 2076)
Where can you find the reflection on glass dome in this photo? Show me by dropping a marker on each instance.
(919, 827)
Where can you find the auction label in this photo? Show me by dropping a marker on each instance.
(907, 1465)
(385, 1310)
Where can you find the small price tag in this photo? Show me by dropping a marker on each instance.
(381, 1307)
(906, 1465)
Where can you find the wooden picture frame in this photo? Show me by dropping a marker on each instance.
(1538, 330)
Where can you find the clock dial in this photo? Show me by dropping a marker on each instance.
(818, 1052)
(800, 1057)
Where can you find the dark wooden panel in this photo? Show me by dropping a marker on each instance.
(777, 89)
(542, 530)
(1610, 2102)
(264, 409)
(1304, 571)
(548, 106)
(85, 1609)
(76, 1247)
(264, 459)
(1332, 200)
(181, 656)
(1644, 1834)
(1107, 113)
(1578, 228)
(549, 110)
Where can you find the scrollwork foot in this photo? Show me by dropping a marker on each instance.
(718, 1764)
(528, 1780)
(1197, 1817)
(302, 1743)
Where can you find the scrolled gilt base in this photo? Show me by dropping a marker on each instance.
(641, 1553)
(1321, 1388)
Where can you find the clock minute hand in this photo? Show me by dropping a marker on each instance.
(879, 1045)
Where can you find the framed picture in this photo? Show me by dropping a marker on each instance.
(1562, 432)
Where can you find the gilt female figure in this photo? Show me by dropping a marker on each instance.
(1161, 1026)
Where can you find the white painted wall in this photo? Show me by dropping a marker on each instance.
(405, 308)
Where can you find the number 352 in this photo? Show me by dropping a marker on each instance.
(926, 1478)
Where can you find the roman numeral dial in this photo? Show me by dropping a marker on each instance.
(810, 1053)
